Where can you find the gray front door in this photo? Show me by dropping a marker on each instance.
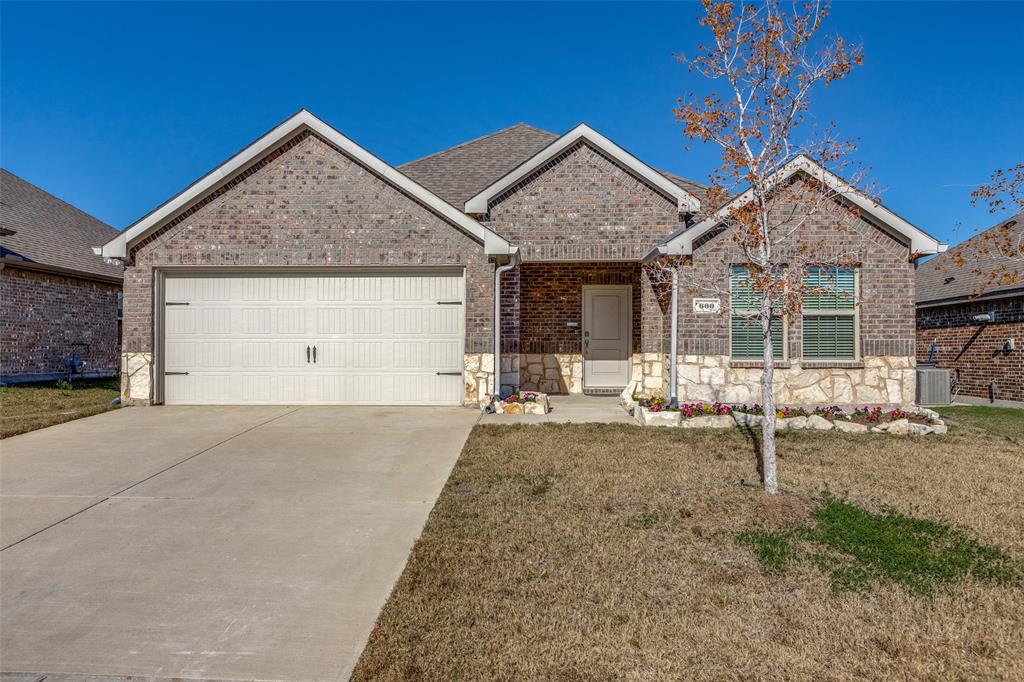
(607, 316)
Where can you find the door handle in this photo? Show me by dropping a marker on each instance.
(314, 355)
(307, 355)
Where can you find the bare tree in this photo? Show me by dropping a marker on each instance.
(764, 62)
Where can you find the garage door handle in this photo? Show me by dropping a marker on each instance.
(449, 374)
(175, 374)
(449, 302)
(307, 355)
(314, 355)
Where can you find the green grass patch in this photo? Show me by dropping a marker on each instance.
(1002, 421)
(27, 407)
(858, 548)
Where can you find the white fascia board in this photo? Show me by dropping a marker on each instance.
(921, 243)
(494, 244)
(687, 202)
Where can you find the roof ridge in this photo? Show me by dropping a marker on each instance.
(671, 173)
(477, 139)
(54, 196)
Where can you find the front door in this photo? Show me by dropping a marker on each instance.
(607, 316)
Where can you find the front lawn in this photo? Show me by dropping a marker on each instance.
(1003, 421)
(35, 406)
(615, 552)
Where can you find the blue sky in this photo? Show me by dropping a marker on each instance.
(116, 107)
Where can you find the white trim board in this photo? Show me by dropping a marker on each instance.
(920, 242)
(118, 247)
(686, 201)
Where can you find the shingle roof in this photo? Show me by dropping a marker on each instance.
(459, 173)
(50, 231)
(941, 279)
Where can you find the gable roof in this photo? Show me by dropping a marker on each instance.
(942, 280)
(37, 227)
(457, 173)
(687, 202)
(919, 242)
(494, 244)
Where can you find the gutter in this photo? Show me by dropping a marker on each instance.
(498, 272)
(674, 342)
(71, 273)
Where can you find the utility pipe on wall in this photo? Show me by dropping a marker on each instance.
(498, 272)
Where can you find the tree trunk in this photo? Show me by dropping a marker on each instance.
(769, 467)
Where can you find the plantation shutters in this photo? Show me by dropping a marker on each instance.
(830, 313)
(747, 341)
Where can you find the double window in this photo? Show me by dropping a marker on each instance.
(830, 313)
(829, 316)
(747, 340)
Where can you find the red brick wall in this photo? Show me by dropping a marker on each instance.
(43, 314)
(582, 206)
(309, 205)
(886, 288)
(975, 352)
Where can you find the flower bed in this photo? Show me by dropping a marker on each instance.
(523, 402)
(656, 411)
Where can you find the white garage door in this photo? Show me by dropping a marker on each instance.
(362, 339)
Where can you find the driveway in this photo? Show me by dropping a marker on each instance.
(223, 542)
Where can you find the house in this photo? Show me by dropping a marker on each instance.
(970, 313)
(59, 301)
(306, 270)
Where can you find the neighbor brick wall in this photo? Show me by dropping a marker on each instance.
(43, 314)
(582, 205)
(309, 204)
(886, 287)
(975, 352)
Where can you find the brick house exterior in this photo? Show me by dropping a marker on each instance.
(560, 216)
(58, 299)
(950, 299)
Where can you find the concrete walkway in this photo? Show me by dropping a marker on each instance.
(570, 409)
(214, 542)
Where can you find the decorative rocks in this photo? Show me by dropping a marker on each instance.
(818, 423)
(814, 422)
(649, 417)
(708, 421)
(849, 427)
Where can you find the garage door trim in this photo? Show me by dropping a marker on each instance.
(162, 273)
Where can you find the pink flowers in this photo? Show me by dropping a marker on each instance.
(521, 397)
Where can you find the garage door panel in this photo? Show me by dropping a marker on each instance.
(380, 339)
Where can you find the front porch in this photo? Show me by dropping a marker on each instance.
(570, 409)
(569, 328)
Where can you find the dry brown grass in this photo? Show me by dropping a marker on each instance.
(609, 552)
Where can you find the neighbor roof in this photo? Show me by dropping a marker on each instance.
(37, 227)
(461, 172)
(941, 279)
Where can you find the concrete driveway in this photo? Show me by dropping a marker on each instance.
(213, 542)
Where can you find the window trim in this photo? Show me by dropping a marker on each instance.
(853, 312)
(748, 313)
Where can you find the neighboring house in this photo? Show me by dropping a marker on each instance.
(306, 270)
(985, 355)
(58, 299)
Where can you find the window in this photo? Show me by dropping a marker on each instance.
(746, 340)
(830, 313)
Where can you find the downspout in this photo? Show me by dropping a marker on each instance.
(674, 341)
(498, 272)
